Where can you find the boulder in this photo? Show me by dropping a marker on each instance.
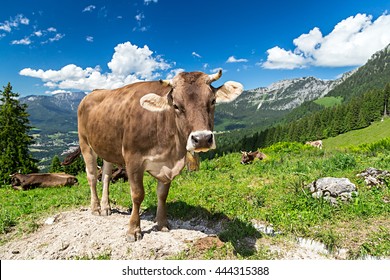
(332, 189)
(374, 177)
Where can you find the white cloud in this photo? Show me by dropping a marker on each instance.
(147, 2)
(56, 37)
(130, 58)
(196, 55)
(281, 59)
(173, 73)
(89, 39)
(38, 33)
(25, 41)
(5, 26)
(350, 43)
(57, 91)
(232, 59)
(89, 8)
(139, 17)
(8, 25)
(129, 63)
(23, 20)
(307, 43)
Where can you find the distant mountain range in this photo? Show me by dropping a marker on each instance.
(262, 107)
(53, 113)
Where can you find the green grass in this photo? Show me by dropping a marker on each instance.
(371, 134)
(271, 191)
(329, 101)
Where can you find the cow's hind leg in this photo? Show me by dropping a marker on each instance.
(106, 177)
(137, 196)
(161, 216)
(90, 160)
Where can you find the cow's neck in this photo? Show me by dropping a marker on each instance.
(173, 134)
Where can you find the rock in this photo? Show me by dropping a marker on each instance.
(263, 228)
(51, 220)
(332, 188)
(374, 177)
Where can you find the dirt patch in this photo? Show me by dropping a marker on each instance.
(208, 242)
(78, 234)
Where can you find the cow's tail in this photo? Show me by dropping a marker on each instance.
(71, 157)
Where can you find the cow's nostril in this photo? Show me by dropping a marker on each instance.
(210, 139)
(195, 139)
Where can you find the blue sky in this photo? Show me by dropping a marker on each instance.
(49, 46)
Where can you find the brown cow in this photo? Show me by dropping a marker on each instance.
(41, 180)
(148, 126)
(251, 156)
(317, 143)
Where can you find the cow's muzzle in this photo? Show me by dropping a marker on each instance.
(201, 141)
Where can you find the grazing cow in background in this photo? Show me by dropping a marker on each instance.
(148, 126)
(317, 143)
(41, 180)
(250, 157)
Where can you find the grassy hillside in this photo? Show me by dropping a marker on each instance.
(373, 133)
(237, 196)
(329, 101)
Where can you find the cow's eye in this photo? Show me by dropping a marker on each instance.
(178, 108)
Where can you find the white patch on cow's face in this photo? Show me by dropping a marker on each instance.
(201, 141)
(228, 92)
(154, 102)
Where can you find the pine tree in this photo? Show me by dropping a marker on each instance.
(55, 165)
(14, 138)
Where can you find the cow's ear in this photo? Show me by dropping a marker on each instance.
(228, 92)
(154, 102)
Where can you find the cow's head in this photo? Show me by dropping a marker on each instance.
(245, 158)
(192, 100)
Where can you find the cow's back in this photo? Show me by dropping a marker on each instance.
(107, 117)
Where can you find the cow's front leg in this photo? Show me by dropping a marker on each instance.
(161, 216)
(137, 196)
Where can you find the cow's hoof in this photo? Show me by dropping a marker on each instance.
(96, 212)
(164, 229)
(106, 212)
(134, 237)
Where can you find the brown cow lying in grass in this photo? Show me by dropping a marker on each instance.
(251, 156)
(41, 180)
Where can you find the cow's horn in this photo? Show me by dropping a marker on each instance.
(216, 76)
(166, 82)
